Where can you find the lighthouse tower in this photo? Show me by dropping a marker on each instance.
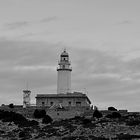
(64, 74)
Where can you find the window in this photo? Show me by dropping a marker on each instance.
(51, 103)
(43, 103)
(78, 103)
(65, 59)
(63, 66)
(69, 103)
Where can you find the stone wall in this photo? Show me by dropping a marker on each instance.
(54, 113)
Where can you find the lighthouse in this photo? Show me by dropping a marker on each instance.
(64, 96)
(64, 74)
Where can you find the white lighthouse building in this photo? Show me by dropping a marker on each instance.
(64, 96)
(64, 74)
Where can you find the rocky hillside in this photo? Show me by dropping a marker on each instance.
(104, 128)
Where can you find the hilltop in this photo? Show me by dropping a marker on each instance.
(126, 126)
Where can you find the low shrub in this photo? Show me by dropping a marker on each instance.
(17, 118)
(97, 114)
(47, 119)
(11, 105)
(114, 115)
(39, 113)
(112, 109)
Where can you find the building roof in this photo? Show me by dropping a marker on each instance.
(68, 95)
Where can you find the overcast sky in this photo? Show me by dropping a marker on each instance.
(102, 38)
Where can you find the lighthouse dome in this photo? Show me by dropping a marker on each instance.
(64, 54)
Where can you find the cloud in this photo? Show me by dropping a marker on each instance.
(21, 24)
(34, 68)
(48, 19)
(124, 22)
(16, 25)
